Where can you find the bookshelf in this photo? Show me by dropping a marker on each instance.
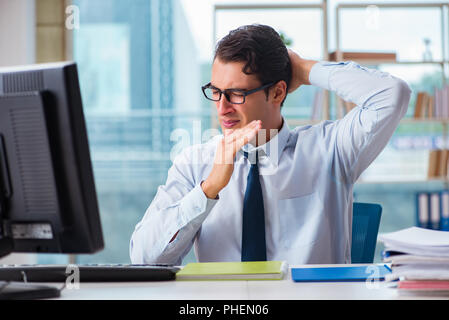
(443, 63)
(442, 7)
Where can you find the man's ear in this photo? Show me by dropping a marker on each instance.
(278, 92)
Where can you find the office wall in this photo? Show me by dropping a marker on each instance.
(17, 32)
(51, 34)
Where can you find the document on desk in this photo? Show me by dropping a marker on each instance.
(417, 254)
(248, 270)
(338, 274)
(417, 241)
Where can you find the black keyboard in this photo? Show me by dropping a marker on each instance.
(88, 272)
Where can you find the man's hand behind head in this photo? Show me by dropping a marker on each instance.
(300, 70)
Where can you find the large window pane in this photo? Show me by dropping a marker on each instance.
(292, 23)
(377, 29)
(135, 94)
(140, 73)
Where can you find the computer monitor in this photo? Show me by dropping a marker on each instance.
(48, 200)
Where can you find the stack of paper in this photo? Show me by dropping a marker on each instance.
(419, 258)
(424, 286)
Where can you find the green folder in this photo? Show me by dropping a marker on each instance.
(248, 270)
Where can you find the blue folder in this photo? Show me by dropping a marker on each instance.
(331, 274)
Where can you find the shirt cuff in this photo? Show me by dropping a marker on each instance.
(320, 73)
(194, 204)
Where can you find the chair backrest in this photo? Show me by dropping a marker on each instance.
(365, 226)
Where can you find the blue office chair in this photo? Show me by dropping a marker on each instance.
(365, 226)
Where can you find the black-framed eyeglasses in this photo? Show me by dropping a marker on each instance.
(234, 96)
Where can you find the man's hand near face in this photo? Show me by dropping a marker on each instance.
(228, 147)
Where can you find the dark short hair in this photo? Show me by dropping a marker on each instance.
(261, 48)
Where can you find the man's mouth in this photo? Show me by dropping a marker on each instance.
(230, 123)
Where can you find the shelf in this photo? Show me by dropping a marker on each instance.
(362, 56)
(424, 120)
(387, 61)
(441, 180)
(303, 122)
(401, 62)
(390, 5)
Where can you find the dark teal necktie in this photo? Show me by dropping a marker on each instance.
(253, 229)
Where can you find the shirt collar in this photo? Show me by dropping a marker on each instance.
(272, 149)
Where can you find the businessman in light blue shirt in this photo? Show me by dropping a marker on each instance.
(306, 174)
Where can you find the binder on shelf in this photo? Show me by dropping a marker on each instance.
(419, 105)
(438, 103)
(430, 107)
(434, 211)
(438, 163)
(444, 218)
(425, 105)
(443, 161)
(422, 209)
(432, 170)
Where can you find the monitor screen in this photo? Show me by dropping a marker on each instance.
(48, 200)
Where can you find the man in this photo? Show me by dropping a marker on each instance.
(237, 198)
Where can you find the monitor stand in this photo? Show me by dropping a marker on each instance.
(15, 290)
(11, 290)
(6, 245)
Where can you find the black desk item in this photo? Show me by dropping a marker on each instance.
(88, 273)
(26, 291)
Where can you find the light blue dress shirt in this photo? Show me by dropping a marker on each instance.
(307, 176)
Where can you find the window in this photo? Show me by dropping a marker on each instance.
(141, 66)
(131, 83)
(366, 28)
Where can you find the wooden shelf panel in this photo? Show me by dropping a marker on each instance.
(301, 122)
(440, 180)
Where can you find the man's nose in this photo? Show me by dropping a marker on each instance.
(224, 106)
